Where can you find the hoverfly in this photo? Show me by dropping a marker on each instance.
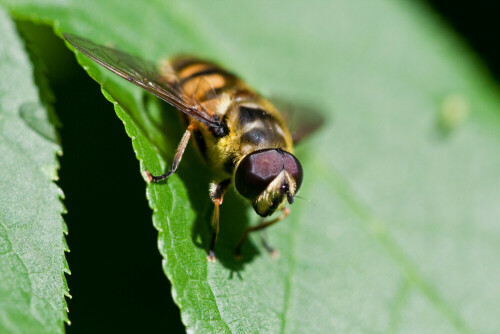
(241, 135)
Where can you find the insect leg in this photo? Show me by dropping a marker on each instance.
(177, 159)
(270, 249)
(217, 192)
(262, 225)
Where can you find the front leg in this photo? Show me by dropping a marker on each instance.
(217, 192)
(177, 159)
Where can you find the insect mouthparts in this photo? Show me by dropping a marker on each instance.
(289, 197)
(285, 189)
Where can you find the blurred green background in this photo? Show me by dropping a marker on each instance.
(124, 273)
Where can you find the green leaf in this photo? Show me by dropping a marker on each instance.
(32, 245)
(400, 230)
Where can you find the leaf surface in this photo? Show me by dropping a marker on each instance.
(32, 245)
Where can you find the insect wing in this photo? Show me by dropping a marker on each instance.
(306, 126)
(144, 74)
(302, 121)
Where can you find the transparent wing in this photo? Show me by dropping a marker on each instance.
(302, 120)
(306, 126)
(144, 74)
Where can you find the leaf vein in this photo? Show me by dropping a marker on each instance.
(377, 228)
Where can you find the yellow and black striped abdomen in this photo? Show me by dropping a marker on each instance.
(204, 80)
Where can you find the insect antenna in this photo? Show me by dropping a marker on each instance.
(303, 198)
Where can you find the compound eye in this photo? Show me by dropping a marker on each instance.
(256, 171)
(294, 168)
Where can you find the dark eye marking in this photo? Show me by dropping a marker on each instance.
(256, 171)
